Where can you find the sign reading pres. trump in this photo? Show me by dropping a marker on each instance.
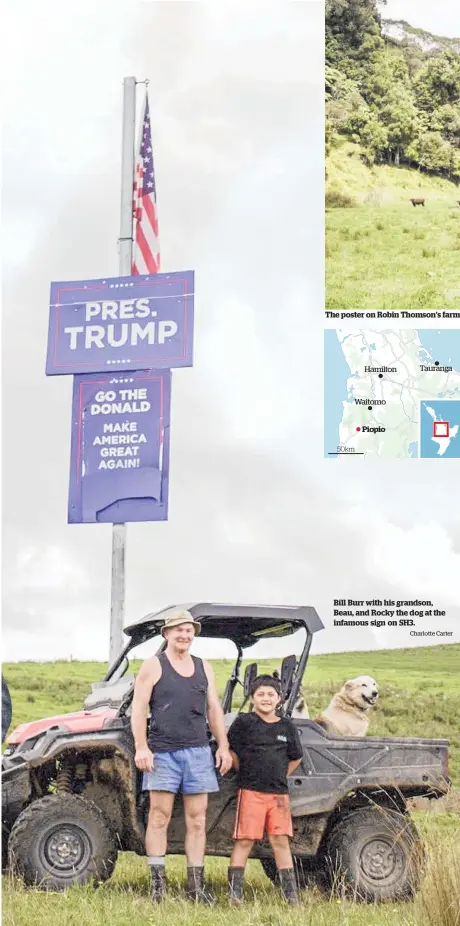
(129, 323)
(119, 467)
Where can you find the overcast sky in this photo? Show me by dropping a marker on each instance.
(256, 513)
(439, 18)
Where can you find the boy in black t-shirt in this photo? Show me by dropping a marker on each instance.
(266, 749)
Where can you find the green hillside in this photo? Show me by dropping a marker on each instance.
(420, 689)
(381, 252)
(382, 184)
(392, 101)
(398, 99)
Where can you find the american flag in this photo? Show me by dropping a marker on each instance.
(146, 251)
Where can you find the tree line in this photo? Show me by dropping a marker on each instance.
(399, 103)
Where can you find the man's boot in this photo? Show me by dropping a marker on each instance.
(235, 885)
(196, 889)
(157, 883)
(288, 885)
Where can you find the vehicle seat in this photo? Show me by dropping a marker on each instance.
(288, 667)
(229, 718)
(109, 694)
(250, 676)
(228, 695)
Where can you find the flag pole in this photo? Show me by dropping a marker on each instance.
(125, 253)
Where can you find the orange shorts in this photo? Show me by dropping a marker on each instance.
(257, 812)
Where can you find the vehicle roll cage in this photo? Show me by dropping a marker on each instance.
(244, 626)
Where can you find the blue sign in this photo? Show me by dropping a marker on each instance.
(119, 467)
(130, 323)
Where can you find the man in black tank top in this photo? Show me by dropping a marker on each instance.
(180, 690)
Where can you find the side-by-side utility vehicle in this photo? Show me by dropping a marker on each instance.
(72, 795)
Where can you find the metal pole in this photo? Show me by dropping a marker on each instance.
(117, 606)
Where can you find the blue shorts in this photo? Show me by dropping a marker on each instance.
(190, 771)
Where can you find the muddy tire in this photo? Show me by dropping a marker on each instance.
(5, 841)
(375, 854)
(61, 840)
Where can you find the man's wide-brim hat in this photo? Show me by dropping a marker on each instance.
(180, 616)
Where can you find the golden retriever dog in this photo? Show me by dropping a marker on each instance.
(346, 715)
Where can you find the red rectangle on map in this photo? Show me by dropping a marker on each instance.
(440, 429)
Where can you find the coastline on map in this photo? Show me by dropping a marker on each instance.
(441, 346)
(338, 375)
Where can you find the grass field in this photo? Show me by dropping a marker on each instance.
(420, 695)
(381, 252)
(124, 899)
(420, 689)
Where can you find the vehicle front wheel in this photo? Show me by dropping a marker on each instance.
(375, 854)
(61, 840)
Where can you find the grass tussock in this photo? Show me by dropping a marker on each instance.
(438, 903)
(338, 199)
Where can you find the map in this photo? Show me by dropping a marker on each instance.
(392, 393)
(439, 428)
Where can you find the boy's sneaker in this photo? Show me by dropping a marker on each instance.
(235, 885)
(288, 885)
(196, 889)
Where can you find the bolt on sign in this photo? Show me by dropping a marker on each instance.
(119, 459)
(121, 323)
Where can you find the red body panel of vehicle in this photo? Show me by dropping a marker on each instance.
(76, 722)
